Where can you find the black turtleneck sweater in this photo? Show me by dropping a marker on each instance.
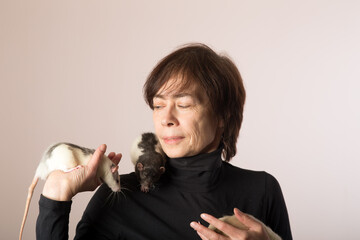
(189, 187)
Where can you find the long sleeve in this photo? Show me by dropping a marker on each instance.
(53, 219)
(277, 214)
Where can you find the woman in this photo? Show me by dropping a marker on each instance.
(197, 98)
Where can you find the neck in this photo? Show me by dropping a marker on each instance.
(195, 174)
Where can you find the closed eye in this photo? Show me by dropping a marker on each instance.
(157, 107)
(183, 106)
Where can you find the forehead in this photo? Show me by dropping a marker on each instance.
(175, 87)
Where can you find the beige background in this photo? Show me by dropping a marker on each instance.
(74, 70)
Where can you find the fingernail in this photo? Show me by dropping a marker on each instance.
(193, 224)
(103, 147)
(237, 210)
(204, 216)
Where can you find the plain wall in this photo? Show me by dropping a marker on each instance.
(74, 70)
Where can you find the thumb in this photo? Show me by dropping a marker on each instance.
(95, 160)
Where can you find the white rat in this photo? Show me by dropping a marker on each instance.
(232, 220)
(66, 157)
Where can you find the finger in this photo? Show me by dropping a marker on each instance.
(228, 229)
(96, 158)
(202, 236)
(199, 229)
(248, 221)
(206, 233)
(116, 159)
(221, 225)
(111, 155)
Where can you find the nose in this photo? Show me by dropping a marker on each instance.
(169, 118)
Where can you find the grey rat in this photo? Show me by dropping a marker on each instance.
(149, 160)
(232, 220)
(66, 157)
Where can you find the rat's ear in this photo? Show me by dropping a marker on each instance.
(162, 170)
(140, 166)
(115, 169)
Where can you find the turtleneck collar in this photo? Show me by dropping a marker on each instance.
(195, 174)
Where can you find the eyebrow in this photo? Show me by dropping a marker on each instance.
(178, 95)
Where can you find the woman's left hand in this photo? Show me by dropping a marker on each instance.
(256, 229)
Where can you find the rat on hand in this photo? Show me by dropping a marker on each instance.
(67, 157)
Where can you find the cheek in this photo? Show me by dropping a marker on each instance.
(208, 128)
(201, 133)
(156, 122)
(195, 137)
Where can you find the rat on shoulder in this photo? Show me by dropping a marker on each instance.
(66, 157)
(149, 160)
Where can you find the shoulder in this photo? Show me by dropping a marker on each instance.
(129, 181)
(128, 177)
(247, 174)
(249, 179)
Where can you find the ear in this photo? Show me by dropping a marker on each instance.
(140, 166)
(162, 170)
(114, 169)
(221, 123)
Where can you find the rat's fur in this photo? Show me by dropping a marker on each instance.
(149, 160)
(232, 220)
(65, 157)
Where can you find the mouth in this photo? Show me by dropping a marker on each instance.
(172, 139)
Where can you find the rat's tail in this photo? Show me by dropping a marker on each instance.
(28, 200)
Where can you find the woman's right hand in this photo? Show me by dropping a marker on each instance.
(62, 186)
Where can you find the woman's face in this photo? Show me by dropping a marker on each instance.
(184, 122)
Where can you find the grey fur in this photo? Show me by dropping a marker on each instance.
(85, 151)
(149, 161)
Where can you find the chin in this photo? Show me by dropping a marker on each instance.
(174, 153)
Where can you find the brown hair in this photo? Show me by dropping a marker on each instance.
(216, 74)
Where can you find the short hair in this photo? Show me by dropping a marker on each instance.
(216, 74)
